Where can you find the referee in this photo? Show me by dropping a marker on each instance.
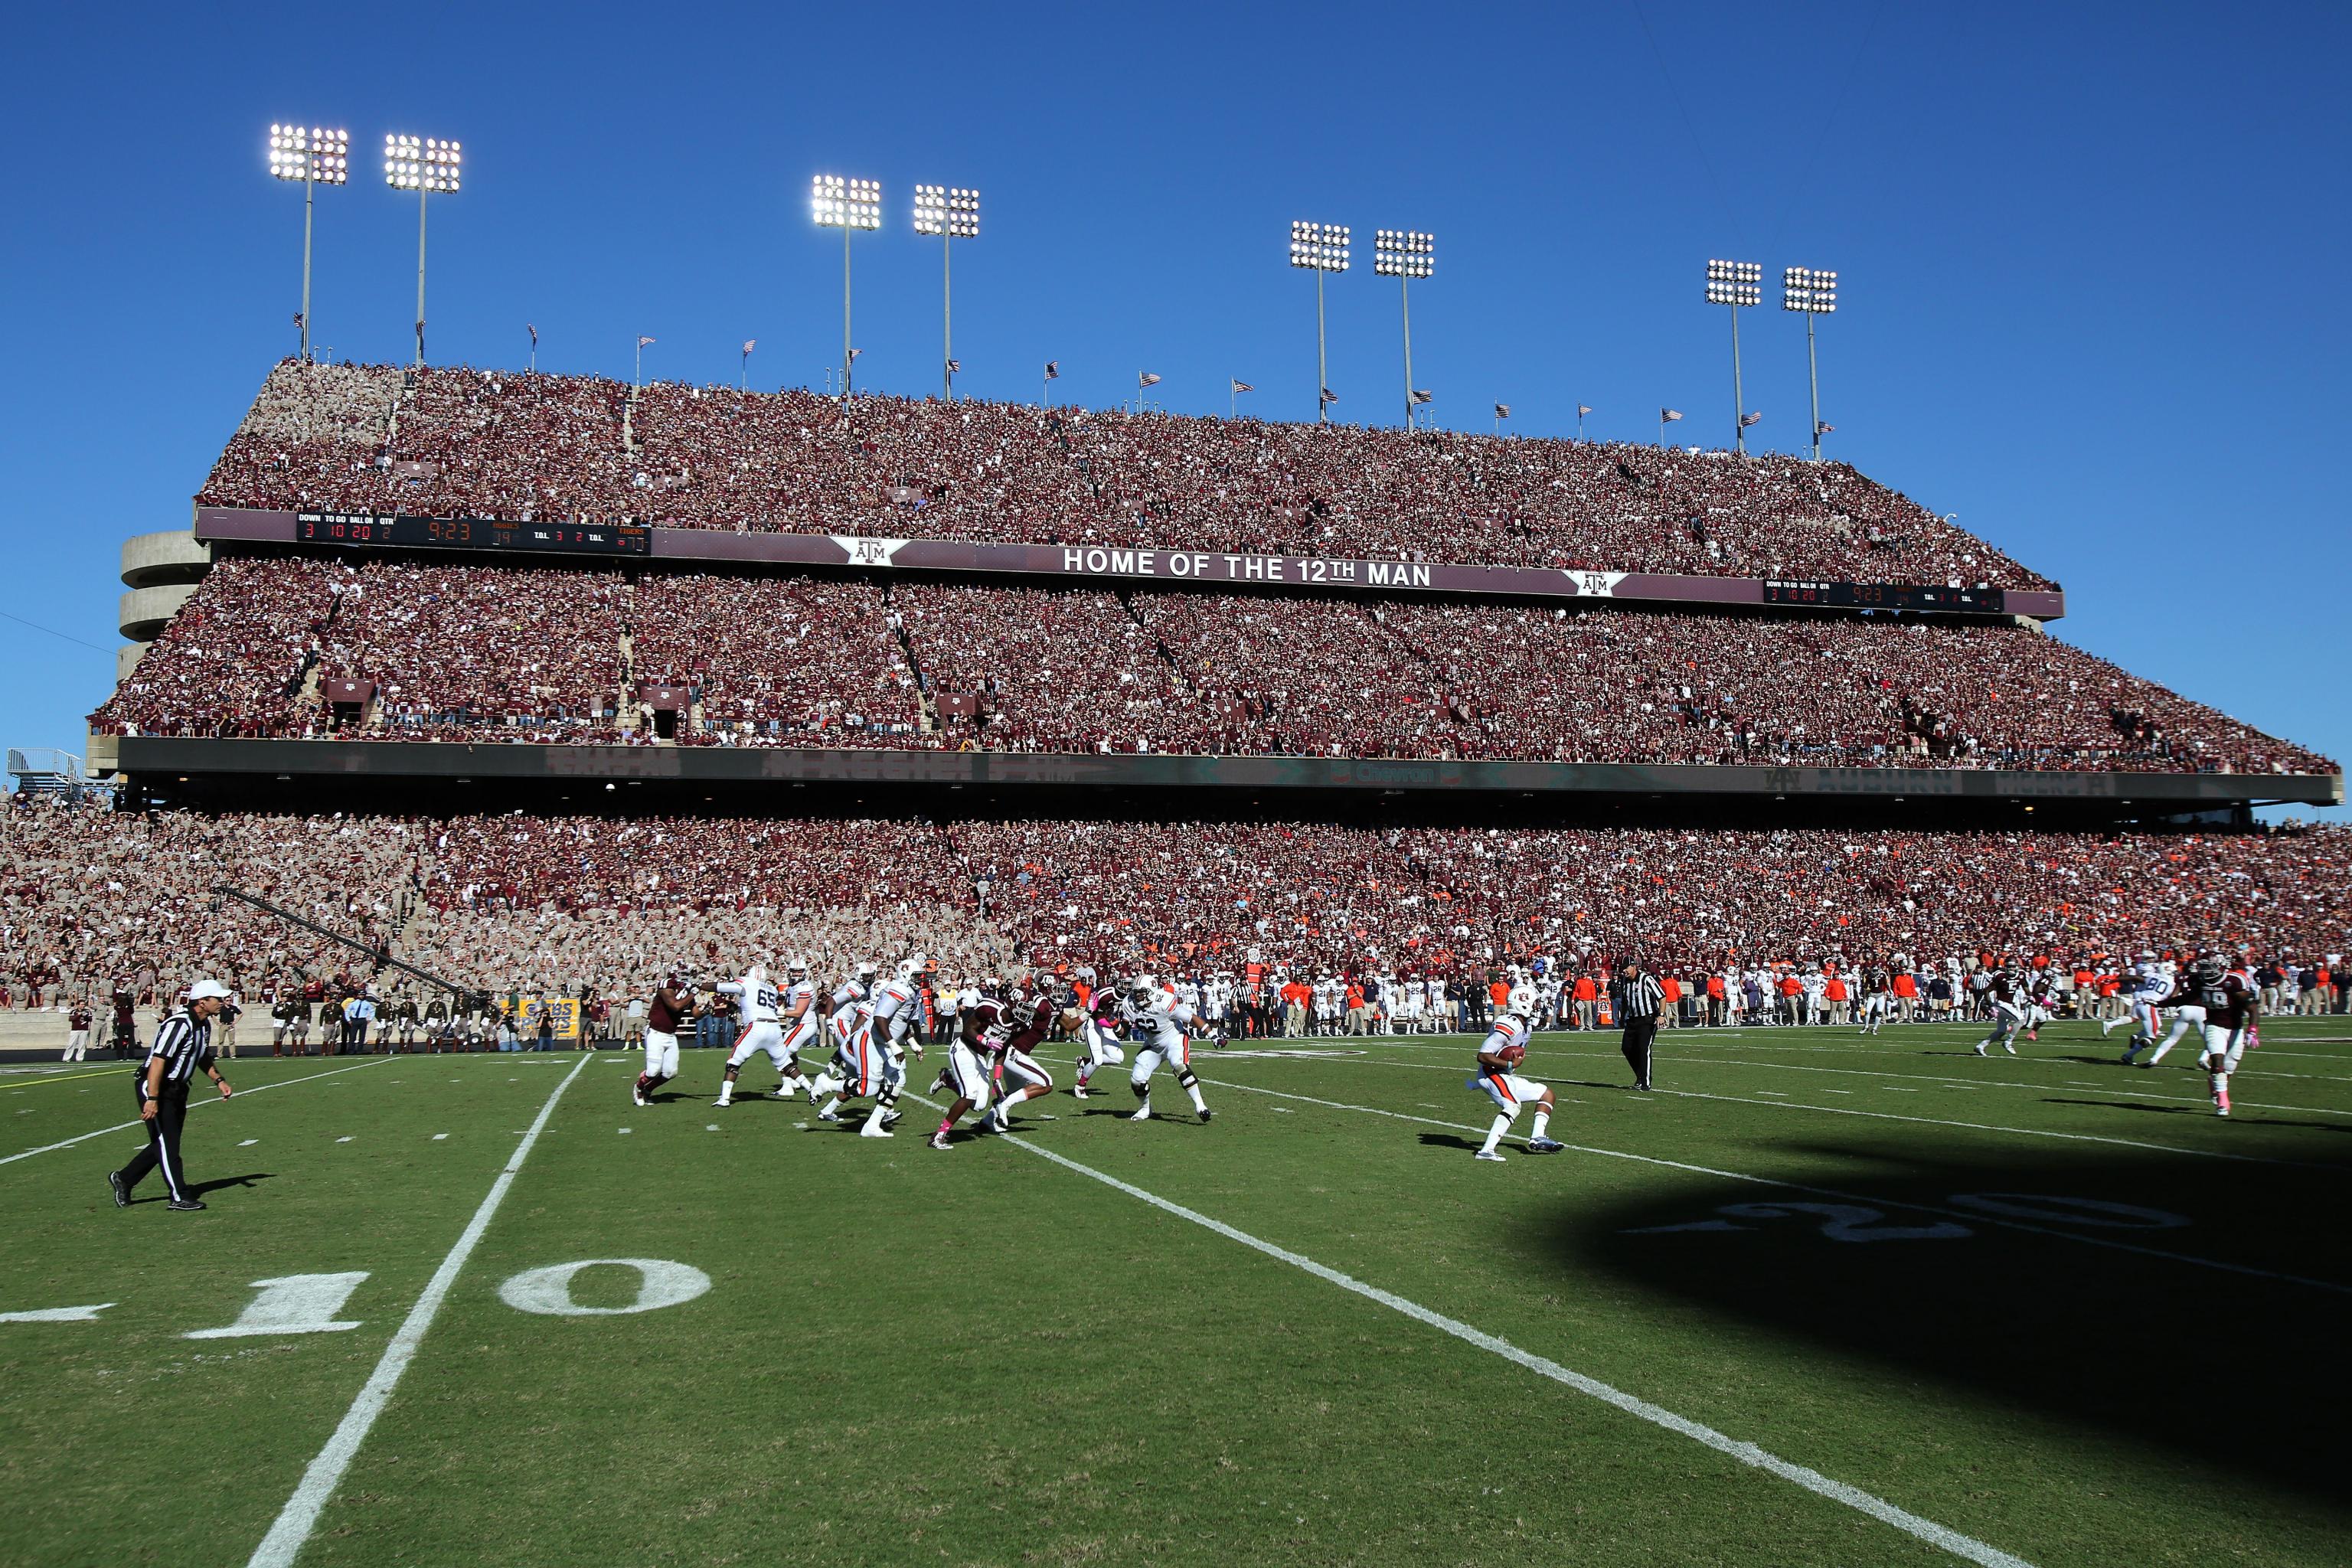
(1639, 998)
(183, 1044)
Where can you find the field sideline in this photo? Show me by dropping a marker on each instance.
(1819, 1299)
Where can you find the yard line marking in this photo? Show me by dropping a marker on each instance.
(1813, 1480)
(346, 1138)
(438, 1136)
(248, 1143)
(70, 1076)
(1968, 1214)
(287, 1537)
(208, 1099)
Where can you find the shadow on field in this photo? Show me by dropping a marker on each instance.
(1996, 1294)
(2239, 1116)
(217, 1183)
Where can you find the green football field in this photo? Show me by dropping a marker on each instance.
(1820, 1299)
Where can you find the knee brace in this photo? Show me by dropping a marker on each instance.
(1142, 1091)
(1185, 1079)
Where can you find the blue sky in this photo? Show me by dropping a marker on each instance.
(2087, 252)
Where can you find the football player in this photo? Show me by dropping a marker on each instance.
(855, 1068)
(895, 1007)
(1158, 1023)
(2149, 985)
(969, 1073)
(1027, 1013)
(669, 1005)
(1097, 1031)
(759, 1013)
(2186, 1002)
(1877, 999)
(1499, 1061)
(2231, 1006)
(2007, 994)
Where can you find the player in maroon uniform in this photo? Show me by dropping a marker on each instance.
(666, 1008)
(2233, 1006)
(1029, 1014)
(970, 1072)
(1098, 1032)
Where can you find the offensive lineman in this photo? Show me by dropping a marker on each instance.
(759, 1009)
(1158, 1022)
(1498, 1076)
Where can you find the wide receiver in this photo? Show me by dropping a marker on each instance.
(1499, 1079)
(2233, 1006)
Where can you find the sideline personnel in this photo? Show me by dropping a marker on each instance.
(1639, 998)
(183, 1044)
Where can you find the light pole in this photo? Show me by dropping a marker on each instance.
(425, 165)
(1405, 254)
(315, 158)
(847, 205)
(952, 213)
(1735, 283)
(1814, 292)
(1319, 248)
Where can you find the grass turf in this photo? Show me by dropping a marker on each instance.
(2050, 1303)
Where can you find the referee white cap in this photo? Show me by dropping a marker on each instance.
(203, 988)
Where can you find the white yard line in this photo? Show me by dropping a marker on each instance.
(196, 1104)
(1943, 1538)
(286, 1538)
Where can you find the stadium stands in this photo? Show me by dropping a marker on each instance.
(534, 448)
(561, 655)
(92, 898)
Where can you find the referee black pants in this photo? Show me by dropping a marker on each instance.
(162, 1149)
(1639, 1035)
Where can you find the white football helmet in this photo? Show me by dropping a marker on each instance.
(910, 967)
(797, 969)
(1143, 985)
(1523, 1001)
(867, 970)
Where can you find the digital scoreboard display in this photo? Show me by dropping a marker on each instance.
(1885, 596)
(381, 530)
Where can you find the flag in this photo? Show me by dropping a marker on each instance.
(1144, 378)
(1052, 370)
(1243, 386)
(1747, 419)
(855, 353)
(1502, 411)
(1330, 396)
(1583, 409)
(1666, 416)
(751, 343)
(298, 319)
(1420, 396)
(534, 331)
(643, 342)
(955, 367)
(1821, 428)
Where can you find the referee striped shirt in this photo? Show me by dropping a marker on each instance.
(1641, 996)
(183, 1044)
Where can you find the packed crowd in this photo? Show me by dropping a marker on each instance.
(94, 901)
(565, 654)
(527, 446)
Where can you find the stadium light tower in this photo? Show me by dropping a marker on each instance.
(1319, 248)
(1405, 254)
(1735, 283)
(1814, 292)
(315, 157)
(952, 213)
(428, 165)
(847, 205)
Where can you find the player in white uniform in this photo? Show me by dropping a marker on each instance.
(1158, 1021)
(971, 1070)
(2150, 986)
(1498, 1076)
(2187, 1006)
(897, 1008)
(854, 1069)
(759, 1009)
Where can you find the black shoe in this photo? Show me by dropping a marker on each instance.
(1642, 1088)
(122, 1193)
(1207, 1114)
(185, 1206)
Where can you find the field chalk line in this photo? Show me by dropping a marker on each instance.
(240, 1094)
(1927, 1530)
(295, 1521)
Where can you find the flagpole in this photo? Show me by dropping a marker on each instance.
(420, 275)
(947, 316)
(309, 191)
(1739, 404)
(1322, 376)
(844, 307)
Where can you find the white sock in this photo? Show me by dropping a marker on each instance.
(1543, 1122)
(1194, 1090)
(1494, 1133)
(726, 1090)
(830, 1106)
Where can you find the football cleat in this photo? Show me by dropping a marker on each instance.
(828, 1116)
(1142, 1115)
(1545, 1146)
(2010, 1048)
(1079, 1092)
(122, 1193)
(939, 1140)
(889, 1119)
(2130, 1055)
(636, 1095)
(2221, 1102)
(1207, 1114)
(1488, 1154)
(886, 1132)
(190, 1205)
(1981, 1049)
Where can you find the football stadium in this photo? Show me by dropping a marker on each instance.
(826, 974)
